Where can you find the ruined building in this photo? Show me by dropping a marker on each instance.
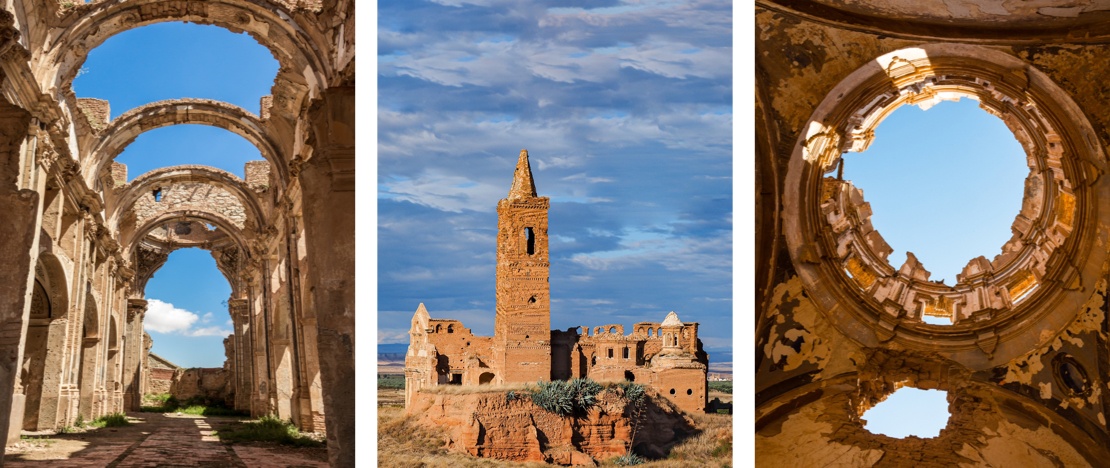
(667, 356)
(1026, 363)
(78, 242)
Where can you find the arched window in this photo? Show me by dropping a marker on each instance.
(530, 240)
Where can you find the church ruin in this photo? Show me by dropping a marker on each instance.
(666, 356)
(79, 242)
(838, 328)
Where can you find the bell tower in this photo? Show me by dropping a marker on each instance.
(522, 326)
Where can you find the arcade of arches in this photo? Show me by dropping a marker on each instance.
(79, 242)
(1025, 364)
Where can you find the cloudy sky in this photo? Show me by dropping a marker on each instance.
(625, 108)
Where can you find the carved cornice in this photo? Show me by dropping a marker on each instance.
(239, 309)
(135, 308)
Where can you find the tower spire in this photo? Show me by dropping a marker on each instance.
(523, 185)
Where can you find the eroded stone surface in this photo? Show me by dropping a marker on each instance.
(487, 424)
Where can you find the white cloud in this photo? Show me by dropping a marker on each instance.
(163, 317)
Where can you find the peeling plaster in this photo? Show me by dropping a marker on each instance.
(1088, 320)
(789, 300)
(806, 429)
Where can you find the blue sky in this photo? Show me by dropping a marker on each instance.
(186, 318)
(625, 109)
(947, 200)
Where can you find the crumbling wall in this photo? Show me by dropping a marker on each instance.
(489, 424)
(213, 385)
(160, 380)
(197, 196)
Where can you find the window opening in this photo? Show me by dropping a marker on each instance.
(530, 240)
(157, 194)
(928, 409)
(610, 353)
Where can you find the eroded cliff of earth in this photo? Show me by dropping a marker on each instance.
(495, 424)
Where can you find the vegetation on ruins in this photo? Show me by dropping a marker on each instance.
(269, 429)
(110, 420)
(166, 403)
(629, 459)
(566, 397)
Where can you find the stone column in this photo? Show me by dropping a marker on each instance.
(132, 365)
(261, 389)
(328, 183)
(240, 318)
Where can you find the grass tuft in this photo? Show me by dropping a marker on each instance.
(269, 429)
(629, 460)
(167, 403)
(111, 420)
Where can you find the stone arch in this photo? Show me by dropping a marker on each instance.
(143, 184)
(486, 378)
(86, 26)
(149, 259)
(132, 241)
(42, 370)
(123, 130)
(90, 338)
(115, 357)
(851, 268)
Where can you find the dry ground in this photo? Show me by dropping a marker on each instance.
(402, 444)
(156, 439)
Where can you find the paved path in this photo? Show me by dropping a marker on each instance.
(157, 441)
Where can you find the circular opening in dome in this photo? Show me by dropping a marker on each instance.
(909, 412)
(943, 183)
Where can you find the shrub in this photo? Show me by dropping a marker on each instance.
(111, 420)
(633, 392)
(566, 398)
(629, 460)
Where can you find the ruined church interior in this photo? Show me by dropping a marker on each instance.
(1022, 358)
(80, 240)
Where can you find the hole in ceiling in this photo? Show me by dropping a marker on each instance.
(945, 184)
(909, 412)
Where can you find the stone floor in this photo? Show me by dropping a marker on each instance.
(157, 440)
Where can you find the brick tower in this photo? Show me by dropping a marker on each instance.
(522, 327)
